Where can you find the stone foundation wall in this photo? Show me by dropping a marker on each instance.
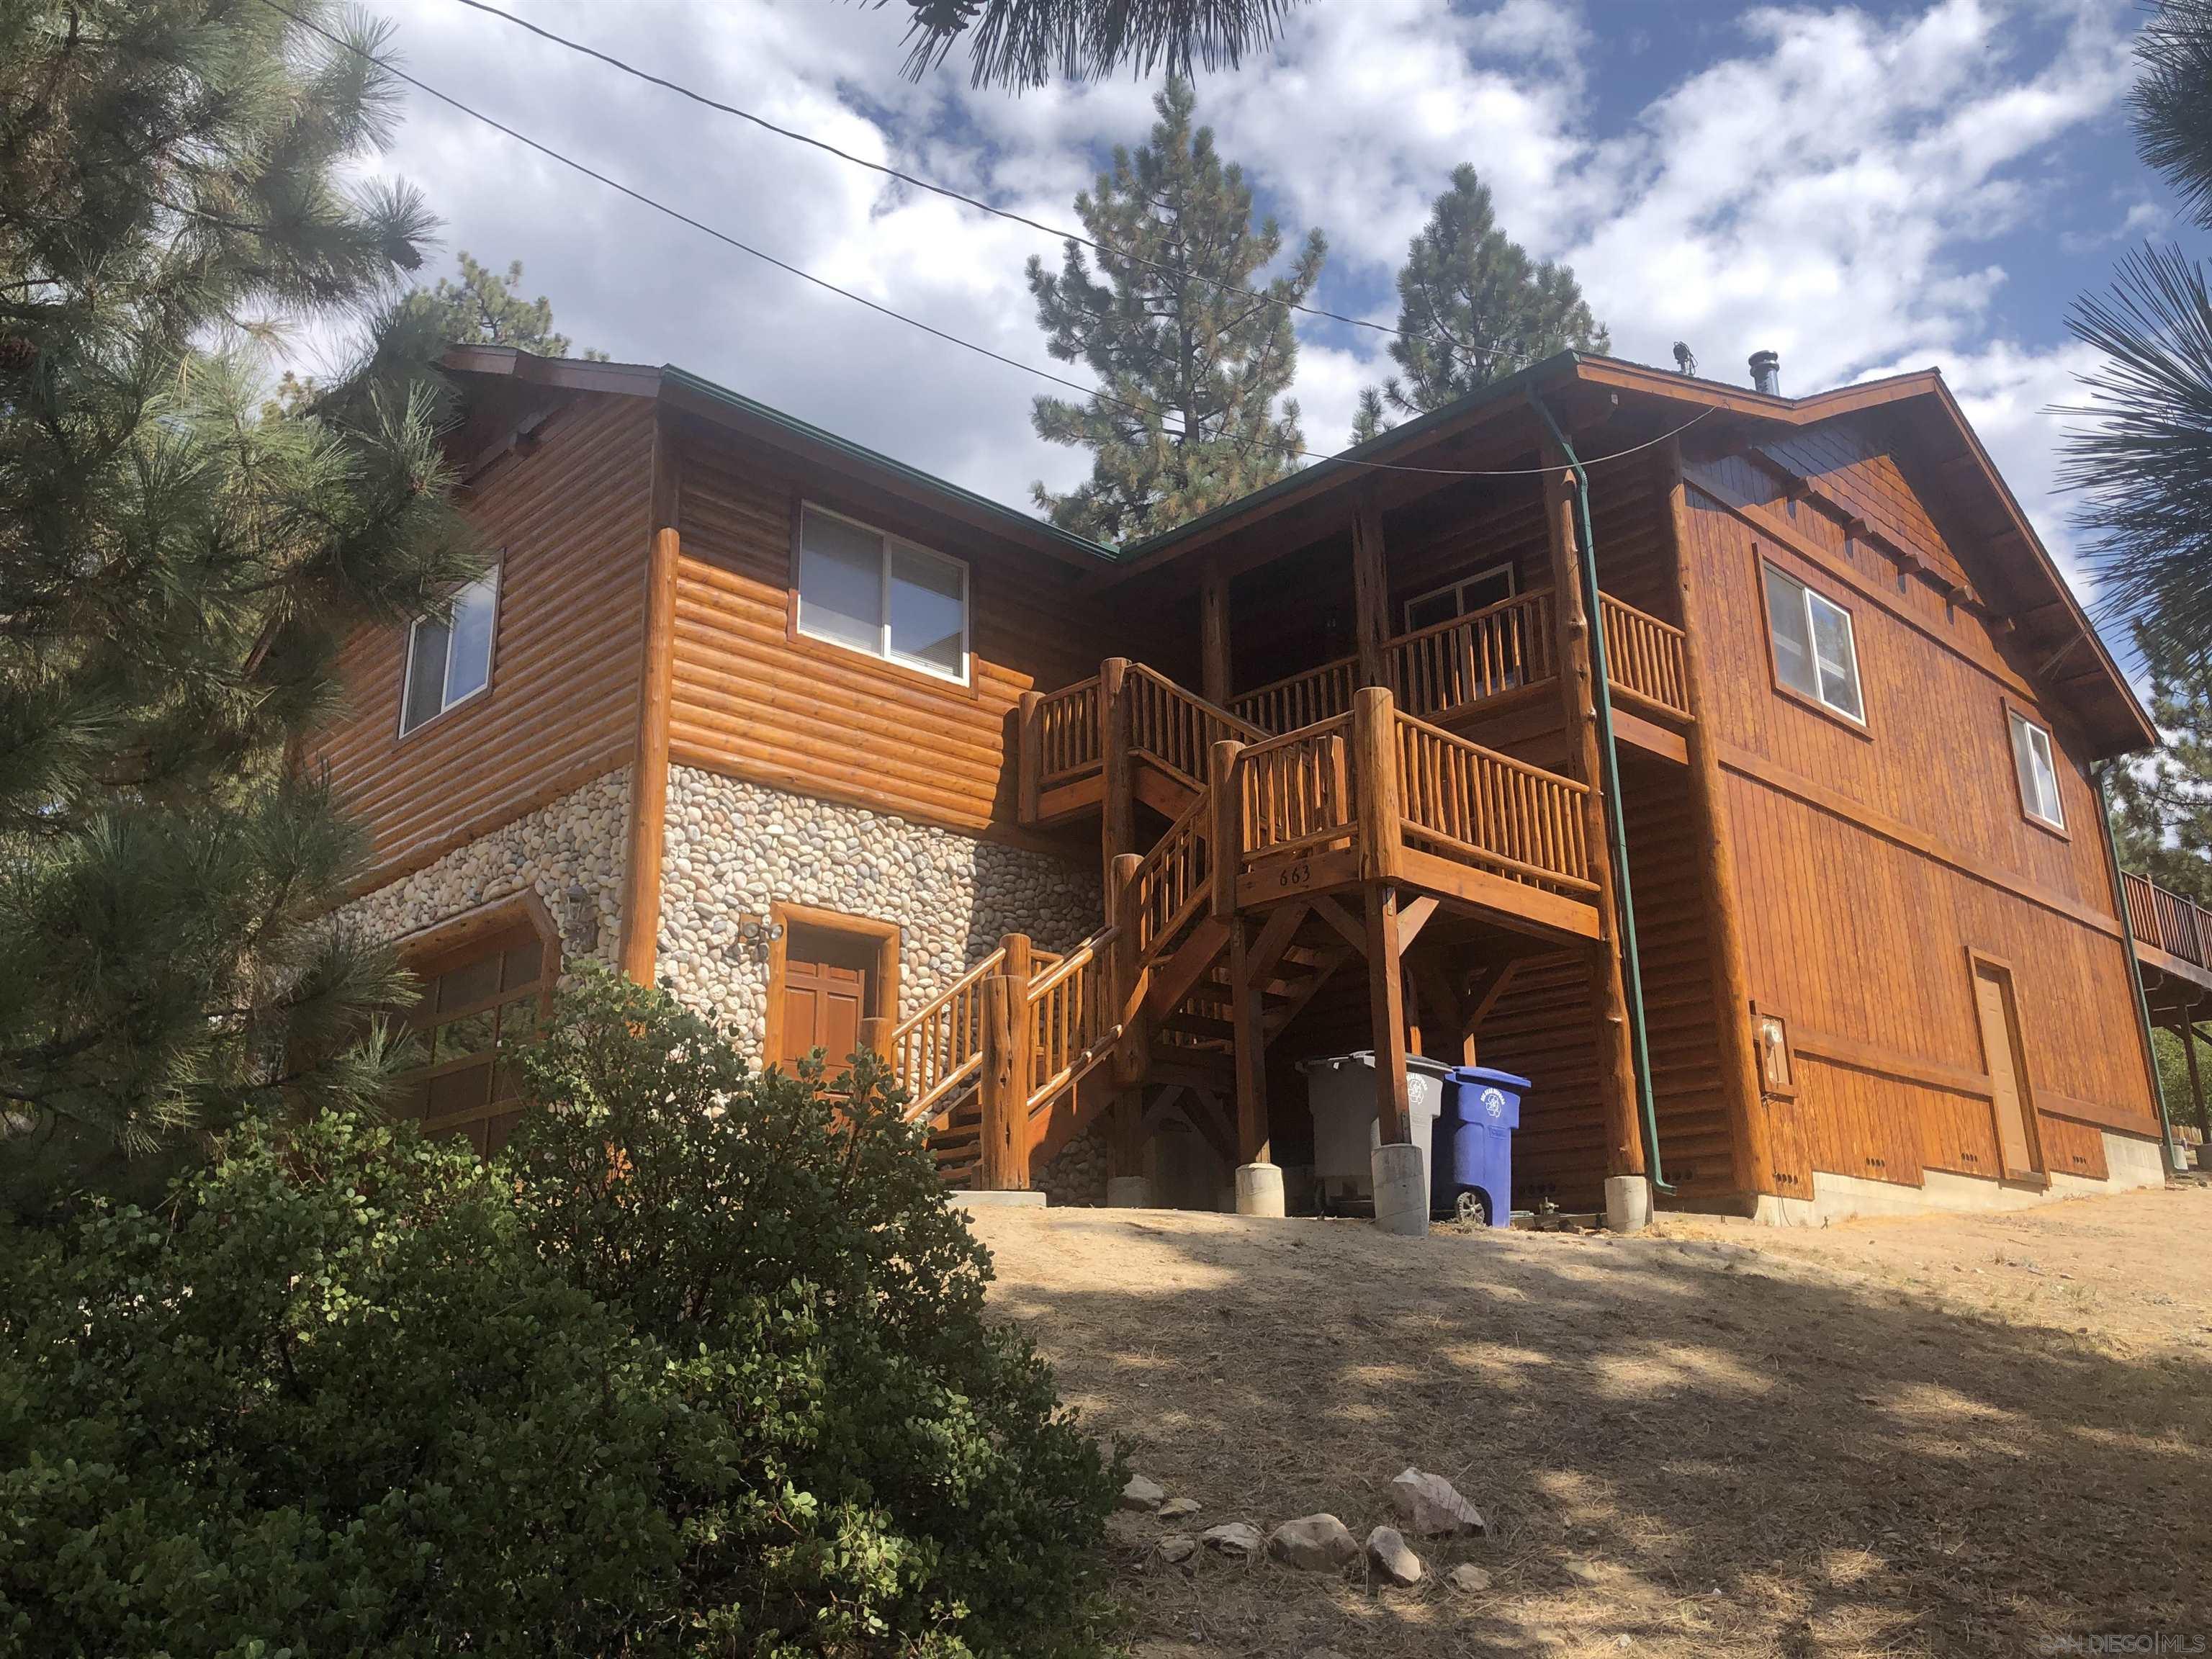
(1076, 1174)
(569, 851)
(734, 848)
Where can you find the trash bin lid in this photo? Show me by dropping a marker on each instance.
(1421, 1063)
(1486, 1074)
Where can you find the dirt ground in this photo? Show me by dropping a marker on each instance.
(1935, 1436)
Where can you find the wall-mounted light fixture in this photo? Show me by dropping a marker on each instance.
(580, 918)
(755, 931)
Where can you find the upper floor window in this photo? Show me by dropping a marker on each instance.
(2031, 757)
(449, 652)
(874, 593)
(1815, 654)
(1476, 592)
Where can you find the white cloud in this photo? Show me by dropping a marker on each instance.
(1826, 185)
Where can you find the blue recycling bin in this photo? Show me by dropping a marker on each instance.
(1471, 1151)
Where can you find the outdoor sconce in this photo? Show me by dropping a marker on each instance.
(756, 930)
(580, 918)
(1775, 1073)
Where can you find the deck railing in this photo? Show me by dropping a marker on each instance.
(1171, 727)
(1438, 671)
(2166, 922)
(1070, 1017)
(1068, 733)
(1293, 794)
(1477, 807)
(1452, 664)
(1169, 884)
(1643, 656)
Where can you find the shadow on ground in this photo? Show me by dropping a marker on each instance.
(1694, 1446)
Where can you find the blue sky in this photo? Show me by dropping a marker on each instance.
(1863, 187)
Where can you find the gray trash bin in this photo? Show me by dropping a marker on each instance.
(1340, 1089)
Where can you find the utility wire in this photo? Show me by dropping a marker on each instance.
(682, 217)
(1518, 359)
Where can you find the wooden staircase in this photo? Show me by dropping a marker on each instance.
(1222, 931)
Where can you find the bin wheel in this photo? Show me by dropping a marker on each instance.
(1474, 1208)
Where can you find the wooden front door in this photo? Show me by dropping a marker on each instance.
(828, 988)
(2000, 1020)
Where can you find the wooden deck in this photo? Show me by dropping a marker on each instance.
(2173, 951)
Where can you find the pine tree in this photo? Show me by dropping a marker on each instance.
(1190, 370)
(2141, 457)
(178, 569)
(1472, 306)
(483, 308)
(2162, 807)
(1018, 44)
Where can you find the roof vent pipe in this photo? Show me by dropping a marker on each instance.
(1766, 372)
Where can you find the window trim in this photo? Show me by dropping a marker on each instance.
(495, 574)
(891, 541)
(886, 936)
(2015, 715)
(1512, 592)
(1858, 724)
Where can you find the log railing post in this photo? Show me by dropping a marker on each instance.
(1377, 807)
(1029, 756)
(1117, 809)
(1002, 1155)
(1126, 985)
(1225, 826)
(1370, 595)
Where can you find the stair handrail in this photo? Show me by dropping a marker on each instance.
(1296, 700)
(938, 1046)
(1070, 1029)
(1174, 727)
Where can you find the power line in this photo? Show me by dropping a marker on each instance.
(682, 217)
(1518, 359)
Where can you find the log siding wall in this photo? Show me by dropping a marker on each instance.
(569, 517)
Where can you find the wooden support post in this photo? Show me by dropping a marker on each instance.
(1125, 1134)
(1224, 834)
(1386, 1005)
(2190, 1036)
(2188, 1053)
(648, 775)
(1751, 1150)
(1213, 638)
(1117, 810)
(1029, 757)
(1003, 1098)
(1370, 595)
(876, 1036)
(1127, 984)
(1375, 768)
(1249, 1036)
(1624, 1143)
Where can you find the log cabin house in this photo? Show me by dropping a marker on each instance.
(1720, 761)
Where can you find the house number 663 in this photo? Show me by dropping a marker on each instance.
(1296, 875)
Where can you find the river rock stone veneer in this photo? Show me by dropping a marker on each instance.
(732, 849)
(576, 842)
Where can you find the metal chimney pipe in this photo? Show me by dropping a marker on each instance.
(1766, 372)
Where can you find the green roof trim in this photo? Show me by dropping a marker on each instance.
(1027, 523)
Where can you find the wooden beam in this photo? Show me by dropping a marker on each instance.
(1412, 916)
(1623, 1146)
(1224, 827)
(649, 775)
(1213, 658)
(1354, 931)
(1499, 981)
(1386, 1011)
(1370, 594)
(1274, 937)
(1379, 834)
(1447, 1012)
(1317, 976)
(1117, 807)
(1751, 1155)
(1250, 1037)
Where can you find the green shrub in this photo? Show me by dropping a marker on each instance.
(701, 1366)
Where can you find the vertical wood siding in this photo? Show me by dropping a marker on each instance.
(797, 714)
(1872, 862)
(569, 516)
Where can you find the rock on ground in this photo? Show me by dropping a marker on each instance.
(1385, 1548)
(1142, 1493)
(1431, 1505)
(1233, 1538)
(1467, 1579)
(1177, 1547)
(1175, 1507)
(1314, 1543)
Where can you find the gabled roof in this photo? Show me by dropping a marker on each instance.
(2061, 629)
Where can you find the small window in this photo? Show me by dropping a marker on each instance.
(2038, 766)
(871, 592)
(449, 653)
(1815, 654)
(1476, 592)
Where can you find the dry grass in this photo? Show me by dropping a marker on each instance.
(1937, 1436)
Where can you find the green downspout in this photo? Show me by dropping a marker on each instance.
(1616, 824)
(2135, 978)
